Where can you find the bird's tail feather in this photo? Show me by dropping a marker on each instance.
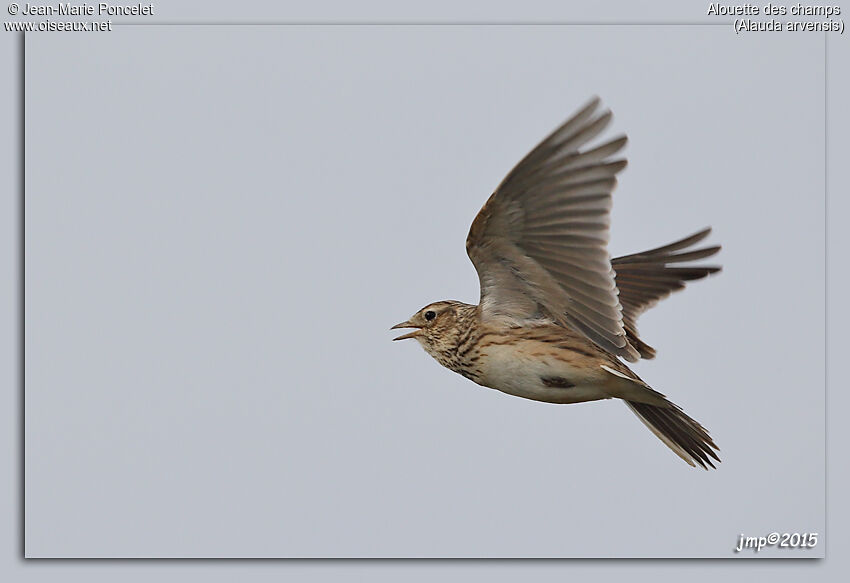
(687, 438)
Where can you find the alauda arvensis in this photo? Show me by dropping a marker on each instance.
(556, 313)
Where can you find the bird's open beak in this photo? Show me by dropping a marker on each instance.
(413, 334)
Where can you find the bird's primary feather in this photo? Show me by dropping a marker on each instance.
(539, 244)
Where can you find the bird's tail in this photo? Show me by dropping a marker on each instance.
(683, 435)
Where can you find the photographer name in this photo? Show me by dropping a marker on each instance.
(99, 9)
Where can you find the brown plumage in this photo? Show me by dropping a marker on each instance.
(556, 313)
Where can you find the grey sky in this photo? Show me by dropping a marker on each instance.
(233, 217)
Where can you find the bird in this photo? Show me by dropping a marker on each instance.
(557, 315)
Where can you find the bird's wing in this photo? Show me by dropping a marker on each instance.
(539, 244)
(647, 277)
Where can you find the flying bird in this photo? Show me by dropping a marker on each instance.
(557, 315)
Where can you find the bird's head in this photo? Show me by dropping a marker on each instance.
(435, 324)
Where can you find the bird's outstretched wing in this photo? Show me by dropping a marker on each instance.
(539, 244)
(647, 277)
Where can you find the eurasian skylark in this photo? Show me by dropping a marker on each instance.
(556, 313)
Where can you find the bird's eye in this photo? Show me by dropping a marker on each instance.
(430, 315)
